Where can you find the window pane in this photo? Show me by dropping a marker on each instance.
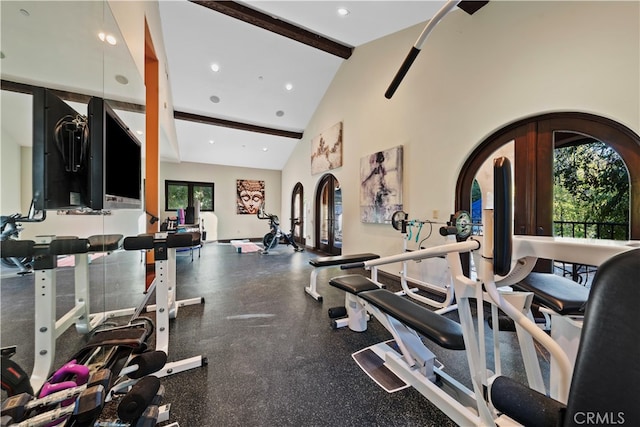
(204, 193)
(177, 196)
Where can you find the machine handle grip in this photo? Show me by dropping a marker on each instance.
(448, 230)
(404, 68)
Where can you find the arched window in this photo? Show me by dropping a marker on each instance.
(534, 141)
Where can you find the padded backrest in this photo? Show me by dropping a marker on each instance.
(605, 388)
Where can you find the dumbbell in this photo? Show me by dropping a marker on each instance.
(87, 407)
(18, 406)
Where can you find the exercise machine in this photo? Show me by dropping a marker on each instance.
(10, 228)
(461, 220)
(275, 234)
(414, 364)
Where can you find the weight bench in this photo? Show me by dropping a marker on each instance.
(564, 296)
(356, 315)
(164, 247)
(406, 358)
(45, 251)
(333, 261)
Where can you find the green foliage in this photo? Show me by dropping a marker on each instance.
(178, 196)
(205, 195)
(591, 184)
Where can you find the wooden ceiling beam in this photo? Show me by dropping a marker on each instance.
(137, 108)
(278, 26)
(70, 96)
(181, 115)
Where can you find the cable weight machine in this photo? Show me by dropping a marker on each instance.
(411, 230)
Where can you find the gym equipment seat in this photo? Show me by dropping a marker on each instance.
(606, 379)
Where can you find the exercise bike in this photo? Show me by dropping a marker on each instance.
(10, 228)
(276, 235)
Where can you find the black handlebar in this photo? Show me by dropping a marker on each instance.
(448, 230)
(404, 68)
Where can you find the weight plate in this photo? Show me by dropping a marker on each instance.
(462, 222)
(397, 218)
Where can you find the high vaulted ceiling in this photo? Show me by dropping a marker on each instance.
(241, 115)
(256, 65)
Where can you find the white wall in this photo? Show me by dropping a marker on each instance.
(230, 225)
(475, 74)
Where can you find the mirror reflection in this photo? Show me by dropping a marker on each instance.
(75, 50)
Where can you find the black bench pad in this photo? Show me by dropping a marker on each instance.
(140, 242)
(105, 242)
(439, 329)
(353, 283)
(558, 293)
(17, 248)
(68, 246)
(328, 261)
(180, 240)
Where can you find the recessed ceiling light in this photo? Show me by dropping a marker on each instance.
(211, 141)
(122, 79)
(265, 149)
(215, 68)
(279, 113)
(139, 132)
(343, 11)
(214, 99)
(288, 86)
(109, 38)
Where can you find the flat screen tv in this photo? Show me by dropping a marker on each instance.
(115, 168)
(60, 160)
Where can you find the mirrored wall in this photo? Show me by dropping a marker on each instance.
(76, 50)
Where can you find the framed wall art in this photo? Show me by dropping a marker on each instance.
(249, 196)
(381, 185)
(326, 150)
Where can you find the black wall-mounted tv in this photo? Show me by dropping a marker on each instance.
(60, 161)
(115, 168)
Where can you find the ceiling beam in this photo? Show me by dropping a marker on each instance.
(181, 115)
(137, 108)
(70, 96)
(278, 26)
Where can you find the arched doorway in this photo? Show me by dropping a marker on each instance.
(328, 216)
(297, 214)
(534, 141)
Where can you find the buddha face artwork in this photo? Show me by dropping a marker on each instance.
(250, 196)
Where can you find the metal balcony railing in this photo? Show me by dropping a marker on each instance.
(592, 230)
(580, 273)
